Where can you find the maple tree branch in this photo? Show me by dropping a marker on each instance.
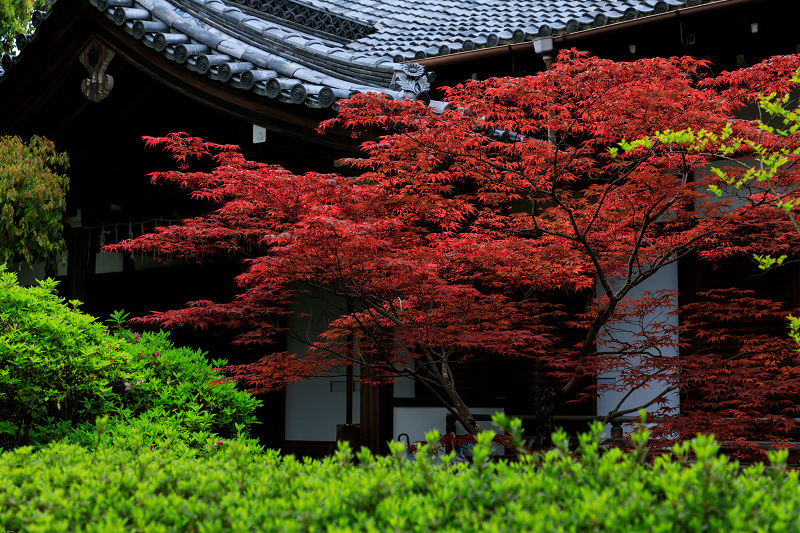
(646, 380)
(614, 414)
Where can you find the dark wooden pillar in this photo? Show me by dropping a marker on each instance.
(377, 418)
(77, 263)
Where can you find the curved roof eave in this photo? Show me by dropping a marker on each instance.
(314, 52)
(234, 49)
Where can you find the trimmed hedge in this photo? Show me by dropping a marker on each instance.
(67, 487)
(129, 434)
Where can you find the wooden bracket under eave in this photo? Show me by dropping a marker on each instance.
(96, 57)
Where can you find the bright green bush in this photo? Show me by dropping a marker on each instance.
(171, 397)
(66, 487)
(58, 366)
(60, 370)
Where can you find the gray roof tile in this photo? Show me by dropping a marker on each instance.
(313, 51)
(232, 47)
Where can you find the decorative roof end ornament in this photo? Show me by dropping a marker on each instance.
(7, 62)
(96, 57)
(411, 80)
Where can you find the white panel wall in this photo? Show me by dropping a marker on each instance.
(29, 274)
(666, 278)
(312, 410)
(108, 262)
(733, 198)
(404, 388)
(416, 421)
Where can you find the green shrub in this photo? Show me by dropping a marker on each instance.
(171, 396)
(60, 370)
(66, 487)
(58, 367)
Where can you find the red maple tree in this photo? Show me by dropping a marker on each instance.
(741, 376)
(468, 227)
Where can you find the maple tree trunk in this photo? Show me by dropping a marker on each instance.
(465, 416)
(440, 376)
(545, 408)
(459, 408)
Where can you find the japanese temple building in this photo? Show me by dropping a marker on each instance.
(97, 75)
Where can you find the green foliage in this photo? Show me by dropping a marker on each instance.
(60, 370)
(116, 321)
(66, 487)
(33, 199)
(172, 395)
(765, 262)
(15, 17)
(57, 365)
(794, 329)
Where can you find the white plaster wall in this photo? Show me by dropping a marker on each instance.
(29, 274)
(416, 421)
(107, 262)
(733, 198)
(312, 410)
(666, 278)
(146, 262)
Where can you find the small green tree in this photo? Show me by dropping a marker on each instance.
(15, 17)
(33, 192)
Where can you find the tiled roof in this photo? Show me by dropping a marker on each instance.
(317, 51)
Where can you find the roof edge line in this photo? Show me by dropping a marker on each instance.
(567, 38)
